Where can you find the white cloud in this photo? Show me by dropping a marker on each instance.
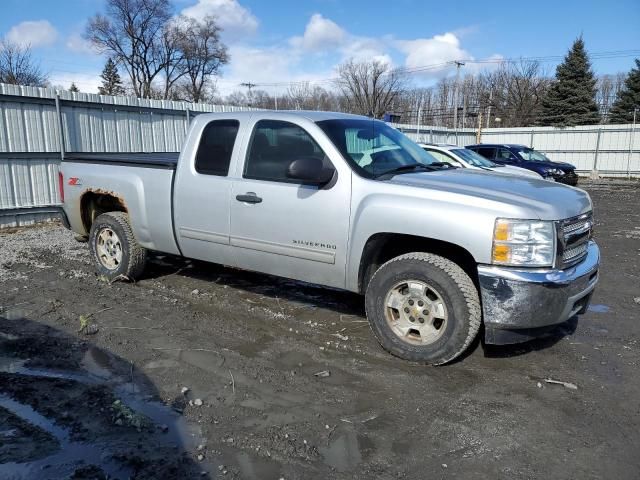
(320, 34)
(437, 51)
(77, 44)
(365, 48)
(87, 82)
(36, 33)
(234, 19)
(265, 65)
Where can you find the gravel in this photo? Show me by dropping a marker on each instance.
(33, 246)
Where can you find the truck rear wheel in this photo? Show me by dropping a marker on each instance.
(114, 247)
(423, 308)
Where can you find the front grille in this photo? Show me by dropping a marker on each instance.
(571, 254)
(574, 238)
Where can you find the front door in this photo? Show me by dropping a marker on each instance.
(281, 226)
(506, 156)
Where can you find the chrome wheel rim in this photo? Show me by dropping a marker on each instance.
(416, 312)
(109, 249)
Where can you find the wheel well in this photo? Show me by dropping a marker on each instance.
(382, 247)
(93, 204)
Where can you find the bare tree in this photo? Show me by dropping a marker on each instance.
(203, 54)
(18, 68)
(518, 92)
(607, 89)
(132, 32)
(237, 98)
(370, 87)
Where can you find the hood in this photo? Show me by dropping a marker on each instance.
(565, 167)
(535, 198)
(511, 170)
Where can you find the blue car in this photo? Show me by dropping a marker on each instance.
(526, 157)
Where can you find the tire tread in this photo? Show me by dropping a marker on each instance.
(463, 282)
(137, 254)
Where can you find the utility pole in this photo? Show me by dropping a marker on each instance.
(419, 117)
(455, 95)
(489, 108)
(249, 86)
(633, 128)
(479, 132)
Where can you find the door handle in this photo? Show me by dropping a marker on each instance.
(249, 197)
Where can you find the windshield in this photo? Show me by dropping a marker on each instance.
(473, 158)
(373, 147)
(531, 155)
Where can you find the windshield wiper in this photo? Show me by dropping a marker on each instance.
(432, 167)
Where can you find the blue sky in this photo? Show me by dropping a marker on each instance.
(277, 41)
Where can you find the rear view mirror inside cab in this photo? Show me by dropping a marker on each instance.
(367, 133)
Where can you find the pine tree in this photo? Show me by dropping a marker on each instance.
(571, 99)
(111, 81)
(628, 98)
(74, 88)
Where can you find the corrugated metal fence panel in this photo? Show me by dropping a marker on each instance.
(29, 182)
(519, 136)
(28, 127)
(575, 145)
(112, 130)
(29, 123)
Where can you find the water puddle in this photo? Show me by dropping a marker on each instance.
(70, 456)
(598, 308)
(171, 430)
(178, 431)
(344, 452)
(14, 313)
(17, 366)
(255, 468)
(8, 336)
(97, 363)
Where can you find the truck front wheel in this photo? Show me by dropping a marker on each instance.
(423, 308)
(114, 248)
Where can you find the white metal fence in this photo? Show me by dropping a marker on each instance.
(34, 121)
(605, 150)
(37, 125)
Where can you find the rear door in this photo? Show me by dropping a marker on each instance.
(202, 191)
(282, 226)
(487, 152)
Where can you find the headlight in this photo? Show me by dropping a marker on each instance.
(526, 243)
(554, 171)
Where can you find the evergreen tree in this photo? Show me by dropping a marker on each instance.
(111, 81)
(74, 88)
(571, 98)
(628, 98)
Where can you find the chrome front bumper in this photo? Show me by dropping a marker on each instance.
(519, 304)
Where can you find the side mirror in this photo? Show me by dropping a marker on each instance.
(310, 170)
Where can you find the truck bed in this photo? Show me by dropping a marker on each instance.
(167, 160)
(141, 182)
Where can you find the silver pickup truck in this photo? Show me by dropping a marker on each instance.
(351, 203)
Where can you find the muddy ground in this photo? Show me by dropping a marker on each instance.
(108, 401)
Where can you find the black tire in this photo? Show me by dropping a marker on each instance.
(133, 256)
(457, 292)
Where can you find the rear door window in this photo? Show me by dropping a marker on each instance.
(487, 152)
(216, 146)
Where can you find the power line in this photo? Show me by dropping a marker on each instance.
(437, 66)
